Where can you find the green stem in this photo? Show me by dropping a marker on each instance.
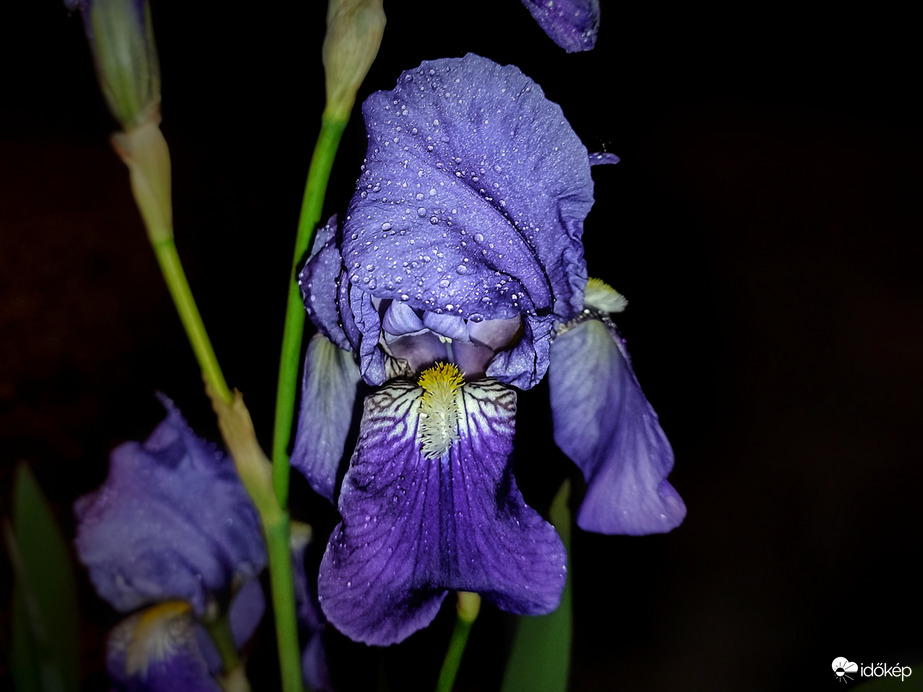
(468, 606)
(220, 633)
(175, 277)
(311, 207)
(283, 597)
(145, 152)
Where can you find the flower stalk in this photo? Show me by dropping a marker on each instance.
(255, 472)
(469, 604)
(328, 141)
(354, 31)
(233, 675)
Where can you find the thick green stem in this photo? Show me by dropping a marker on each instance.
(283, 594)
(468, 606)
(312, 204)
(256, 475)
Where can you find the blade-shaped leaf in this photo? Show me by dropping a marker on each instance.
(45, 628)
(540, 656)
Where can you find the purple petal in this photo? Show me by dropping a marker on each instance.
(419, 351)
(401, 319)
(171, 521)
(572, 24)
(447, 325)
(310, 621)
(603, 422)
(156, 650)
(246, 612)
(473, 196)
(322, 284)
(328, 395)
(603, 158)
(524, 365)
(415, 526)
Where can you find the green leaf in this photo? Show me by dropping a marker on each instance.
(46, 633)
(540, 656)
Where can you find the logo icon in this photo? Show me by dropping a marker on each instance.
(841, 666)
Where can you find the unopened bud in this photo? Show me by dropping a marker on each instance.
(121, 38)
(354, 30)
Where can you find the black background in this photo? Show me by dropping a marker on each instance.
(764, 223)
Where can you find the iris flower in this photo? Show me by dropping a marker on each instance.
(456, 277)
(172, 535)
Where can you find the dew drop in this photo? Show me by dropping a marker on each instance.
(386, 226)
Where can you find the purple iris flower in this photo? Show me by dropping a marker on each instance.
(172, 524)
(458, 259)
(164, 647)
(572, 24)
(157, 650)
(172, 521)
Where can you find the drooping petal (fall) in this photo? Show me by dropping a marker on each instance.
(171, 521)
(572, 24)
(328, 396)
(604, 423)
(429, 504)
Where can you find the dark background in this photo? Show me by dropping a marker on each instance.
(764, 223)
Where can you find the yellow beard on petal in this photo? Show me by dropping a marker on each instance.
(155, 633)
(439, 408)
(602, 296)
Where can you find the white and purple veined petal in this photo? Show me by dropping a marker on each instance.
(604, 423)
(171, 521)
(470, 205)
(429, 504)
(572, 24)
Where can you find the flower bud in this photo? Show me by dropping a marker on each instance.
(354, 30)
(121, 38)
